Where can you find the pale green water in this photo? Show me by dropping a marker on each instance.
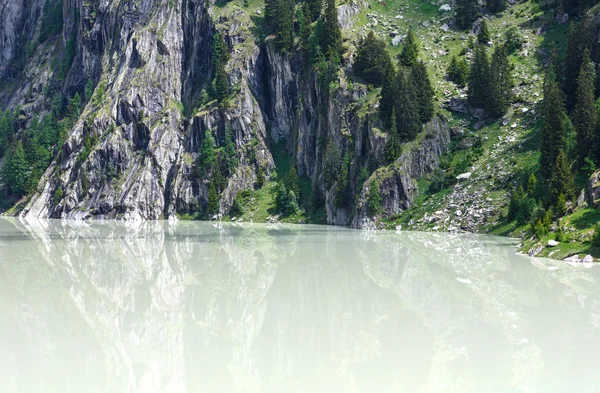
(192, 307)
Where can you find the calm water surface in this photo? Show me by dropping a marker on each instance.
(196, 307)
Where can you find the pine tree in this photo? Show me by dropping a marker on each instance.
(483, 37)
(331, 34)
(393, 147)
(579, 39)
(73, 108)
(281, 195)
(553, 135)
(479, 86)
(561, 182)
(15, 170)
(424, 91)
(229, 150)
(207, 156)
(532, 185)
(410, 51)
(500, 83)
(374, 199)
(6, 131)
(292, 182)
(220, 59)
(212, 205)
(372, 60)
(585, 116)
(285, 24)
(494, 6)
(314, 8)
(466, 13)
(458, 71)
(407, 109)
(388, 94)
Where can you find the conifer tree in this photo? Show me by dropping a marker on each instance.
(458, 71)
(466, 13)
(314, 8)
(479, 86)
(393, 147)
(579, 39)
(284, 24)
(207, 156)
(15, 170)
(229, 150)
(292, 182)
(532, 184)
(406, 107)
(500, 83)
(410, 51)
(388, 94)
(494, 6)
(483, 37)
(331, 34)
(6, 131)
(374, 199)
(212, 205)
(372, 60)
(561, 182)
(553, 114)
(220, 59)
(424, 91)
(281, 195)
(585, 116)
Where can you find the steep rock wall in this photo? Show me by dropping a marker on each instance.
(150, 61)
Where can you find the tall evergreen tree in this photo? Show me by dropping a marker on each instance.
(458, 71)
(292, 182)
(284, 24)
(500, 83)
(374, 201)
(585, 116)
(372, 60)
(406, 107)
(393, 147)
(207, 156)
(562, 180)
(212, 205)
(479, 86)
(579, 39)
(314, 8)
(410, 51)
(483, 37)
(494, 6)
(553, 114)
(6, 131)
(15, 170)
(331, 33)
(388, 93)
(466, 13)
(220, 59)
(424, 91)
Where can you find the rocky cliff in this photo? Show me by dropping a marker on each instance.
(133, 150)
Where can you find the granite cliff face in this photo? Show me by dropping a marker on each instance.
(149, 63)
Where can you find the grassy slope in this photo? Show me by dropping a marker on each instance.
(508, 151)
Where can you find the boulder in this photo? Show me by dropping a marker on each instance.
(535, 250)
(552, 243)
(464, 176)
(593, 189)
(445, 8)
(397, 40)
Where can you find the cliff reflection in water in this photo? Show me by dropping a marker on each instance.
(192, 307)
